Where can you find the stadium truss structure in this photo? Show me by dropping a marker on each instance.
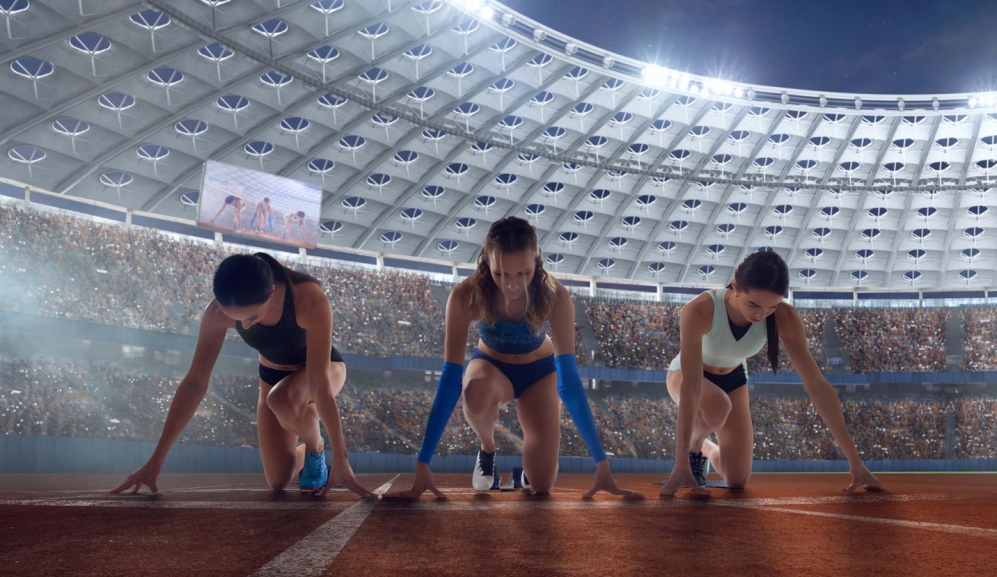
(425, 121)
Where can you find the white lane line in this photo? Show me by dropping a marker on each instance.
(528, 503)
(72, 493)
(114, 503)
(957, 529)
(313, 554)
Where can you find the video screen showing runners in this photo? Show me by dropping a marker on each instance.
(252, 203)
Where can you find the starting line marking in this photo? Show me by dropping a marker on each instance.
(116, 503)
(312, 554)
(957, 529)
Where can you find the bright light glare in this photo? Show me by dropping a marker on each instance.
(468, 5)
(486, 13)
(654, 74)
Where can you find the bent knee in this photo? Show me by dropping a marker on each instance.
(478, 398)
(715, 414)
(737, 481)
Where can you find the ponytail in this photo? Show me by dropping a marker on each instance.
(773, 336)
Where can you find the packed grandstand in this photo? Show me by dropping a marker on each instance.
(65, 266)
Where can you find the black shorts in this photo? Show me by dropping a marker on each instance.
(273, 376)
(729, 382)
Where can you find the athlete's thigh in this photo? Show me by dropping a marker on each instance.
(277, 445)
(711, 394)
(481, 373)
(296, 391)
(737, 440)
(539, 412)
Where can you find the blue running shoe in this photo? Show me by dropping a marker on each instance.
(315, 475)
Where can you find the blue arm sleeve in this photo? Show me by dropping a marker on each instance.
(569, 387)
(447, 393)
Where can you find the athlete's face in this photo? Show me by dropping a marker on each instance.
(249, 315)
(756, 305)
(513, 271)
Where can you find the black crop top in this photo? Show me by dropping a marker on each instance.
(283, 343)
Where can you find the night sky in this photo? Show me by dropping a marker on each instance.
(867, 46)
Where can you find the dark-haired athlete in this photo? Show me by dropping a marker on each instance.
(514, 301)
(237, 205)
(720, 329)
(294, 218)
(287, 317)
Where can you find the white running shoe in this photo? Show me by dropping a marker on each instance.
(525, 482)
(484, 471)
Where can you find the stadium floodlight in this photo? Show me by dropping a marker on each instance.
(469, 5)
(486, 13)
(656, 75)
(972, 102)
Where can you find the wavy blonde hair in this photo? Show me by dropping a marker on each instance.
(508, 235)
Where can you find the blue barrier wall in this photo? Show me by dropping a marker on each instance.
(41, 454)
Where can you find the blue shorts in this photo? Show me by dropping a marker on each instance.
(522, 376)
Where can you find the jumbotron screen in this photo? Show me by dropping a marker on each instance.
(251, 203)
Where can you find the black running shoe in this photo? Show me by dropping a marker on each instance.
(700, 466)
(484, 471)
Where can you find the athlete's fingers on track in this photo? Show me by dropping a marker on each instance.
(121, 487)
(627, 493)
(359, 489)
(153, 487)
(439, 494)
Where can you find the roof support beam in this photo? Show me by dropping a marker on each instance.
(891, 263)
(661, 158)
(453, 154)
(505, 162)
(857, 215)
(950, 231)
(856, 121)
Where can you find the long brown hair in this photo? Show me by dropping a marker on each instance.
(765, 271)
(508, 235)
(246, 279)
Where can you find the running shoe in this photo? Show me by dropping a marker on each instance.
(315, 474)
(700, 466)
(484, 471)
(525, 482)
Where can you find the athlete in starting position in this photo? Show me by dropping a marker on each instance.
(720, 329)
(237, 205)
(514, 301)
(287, 317)
(294, 218)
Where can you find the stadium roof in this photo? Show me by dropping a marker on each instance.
(425, 121)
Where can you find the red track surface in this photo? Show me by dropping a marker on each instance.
(230, 525)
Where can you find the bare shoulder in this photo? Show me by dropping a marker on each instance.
(700, 309)
(462, 291)
(309, 296)
(787, 317)
(213, 316)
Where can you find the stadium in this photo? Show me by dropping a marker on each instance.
(391, 136)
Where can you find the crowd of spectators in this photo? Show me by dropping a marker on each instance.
(108, 400)
(975, 424)
(893, 339)
(82, 269)
(979, 343)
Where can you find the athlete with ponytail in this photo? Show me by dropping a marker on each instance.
(514, 302)
(287, 317)
(720, 329)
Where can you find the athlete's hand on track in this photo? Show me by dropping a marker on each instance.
(144, 475)
(863, 478)
(682, 477)
(604, 481)
(342, 476)
(423, 482)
